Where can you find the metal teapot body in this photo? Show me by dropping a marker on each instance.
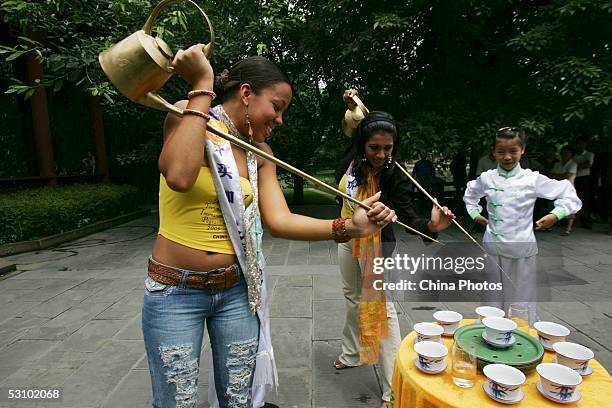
(352, 117)
(139, 65)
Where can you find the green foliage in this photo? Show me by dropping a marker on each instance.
(450, 72)
(566, 55)
(38, 212)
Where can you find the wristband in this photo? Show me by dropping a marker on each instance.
(339, 233)
(198, 92)
(195, 113)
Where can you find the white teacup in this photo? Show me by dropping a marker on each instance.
(499, 330)
(573, 355)
(488, 311)
(449, 320)
(550, 333)
(431, 355)
(505, 381)
(428, 332)
(558, 381)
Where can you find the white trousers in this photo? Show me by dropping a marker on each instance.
(519, 280)
(352, 283)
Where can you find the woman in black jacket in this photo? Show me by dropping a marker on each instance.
(371, 330)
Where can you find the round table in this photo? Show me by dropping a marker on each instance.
(415, 389)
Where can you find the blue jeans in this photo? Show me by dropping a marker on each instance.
(173, 326)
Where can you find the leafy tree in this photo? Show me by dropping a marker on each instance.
(567, 57)
(450, 72)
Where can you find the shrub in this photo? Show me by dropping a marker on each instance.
(38, 212)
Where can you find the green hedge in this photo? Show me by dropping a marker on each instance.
(39, 212)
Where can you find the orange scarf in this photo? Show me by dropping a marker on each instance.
(372, 307)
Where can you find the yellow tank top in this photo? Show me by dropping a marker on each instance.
(346, 212)
(194, 218)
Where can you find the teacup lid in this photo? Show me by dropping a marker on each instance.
(430, 349)
(428, 329)
(573, 350)
(559, 374)
(552, 329)
(487, 311)
(447, 316)
(504, 374)
(499, 323)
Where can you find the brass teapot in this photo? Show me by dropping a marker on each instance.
(352, 117)
(139, 65)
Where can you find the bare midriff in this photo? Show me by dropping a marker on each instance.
(179, 256)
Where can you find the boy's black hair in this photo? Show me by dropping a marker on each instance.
(510, 132)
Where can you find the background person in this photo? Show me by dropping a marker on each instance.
(566, 169)
(584, 159)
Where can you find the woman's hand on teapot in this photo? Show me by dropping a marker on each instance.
(348, 98)
(193, 67)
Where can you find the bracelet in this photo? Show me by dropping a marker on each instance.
(196, 113)
(198, 92)
(339, 233)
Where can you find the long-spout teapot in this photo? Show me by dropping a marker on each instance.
(139, 65)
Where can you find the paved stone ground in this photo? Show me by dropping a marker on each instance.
(70, 316)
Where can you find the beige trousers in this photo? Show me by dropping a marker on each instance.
(351, 280)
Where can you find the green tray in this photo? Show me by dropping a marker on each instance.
(525, 354)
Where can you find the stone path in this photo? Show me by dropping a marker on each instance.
(70, 316)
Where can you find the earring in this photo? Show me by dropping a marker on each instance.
(363, 159)
(248, 121)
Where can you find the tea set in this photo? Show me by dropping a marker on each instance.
(559, 380)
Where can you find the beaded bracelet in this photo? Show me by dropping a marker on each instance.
(198, 92)
(196, 113)
(339, 233)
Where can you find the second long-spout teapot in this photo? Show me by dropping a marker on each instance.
(139, 65)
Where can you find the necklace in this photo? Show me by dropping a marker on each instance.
(230, 124)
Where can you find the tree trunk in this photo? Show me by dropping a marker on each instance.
(97, 130)
(298, 189)
(40, 117)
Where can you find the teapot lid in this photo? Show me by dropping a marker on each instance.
(157, 48)
(163, 47)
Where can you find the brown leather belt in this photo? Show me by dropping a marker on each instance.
(219, 279)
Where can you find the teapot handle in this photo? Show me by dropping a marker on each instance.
(148, 27)
(360, 105)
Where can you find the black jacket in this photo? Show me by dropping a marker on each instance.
(396, 193)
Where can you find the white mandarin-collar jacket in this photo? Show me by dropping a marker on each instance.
(511, 196)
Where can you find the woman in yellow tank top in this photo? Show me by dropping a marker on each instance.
(197, 274)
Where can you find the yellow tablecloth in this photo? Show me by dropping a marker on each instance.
(415, 389)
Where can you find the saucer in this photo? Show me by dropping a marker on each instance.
(588, 370)
(439, 341)
(487, 388)
(575, 396)
(418, 365)
(498, 345)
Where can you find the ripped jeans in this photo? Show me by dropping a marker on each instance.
(173, 326)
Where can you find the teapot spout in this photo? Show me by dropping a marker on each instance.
(153, 100)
